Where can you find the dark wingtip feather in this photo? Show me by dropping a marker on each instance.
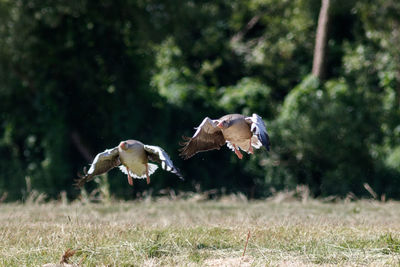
(186, 138)
(184, 156)
(183, 149)
(265, 141)
(79, 182)
(185, 141)
(82, 178)
(178, 173)
(268, 146)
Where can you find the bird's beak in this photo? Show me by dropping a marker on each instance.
(220, 125)
(123, 145)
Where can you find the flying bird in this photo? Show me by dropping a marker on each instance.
(132, 157)
(237, 131)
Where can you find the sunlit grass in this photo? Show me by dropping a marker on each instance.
(211, 233)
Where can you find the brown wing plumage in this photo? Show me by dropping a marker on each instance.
(207, 137)
(102, 163)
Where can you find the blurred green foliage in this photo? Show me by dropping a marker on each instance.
(87, 74)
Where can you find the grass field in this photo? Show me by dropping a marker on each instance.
(202, 233)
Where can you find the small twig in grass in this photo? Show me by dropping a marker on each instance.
(81, 261)
(67, 254)
(245, 246)
(247, 241)
(370, 190)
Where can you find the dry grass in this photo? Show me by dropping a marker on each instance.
(204, 233)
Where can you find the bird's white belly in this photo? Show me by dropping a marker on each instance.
(135, 162)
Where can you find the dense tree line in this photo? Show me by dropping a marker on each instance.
(77, 77)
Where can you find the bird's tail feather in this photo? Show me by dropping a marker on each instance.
(152, 169)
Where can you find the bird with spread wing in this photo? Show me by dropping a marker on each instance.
(132, 157)
(237, 131)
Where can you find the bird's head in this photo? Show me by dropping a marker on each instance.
(123, 145)
(223, 124)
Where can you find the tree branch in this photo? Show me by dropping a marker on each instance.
(321, 40)
(84, 150)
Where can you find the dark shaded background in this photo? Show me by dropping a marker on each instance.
(77, 77)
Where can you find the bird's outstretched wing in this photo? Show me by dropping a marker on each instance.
(207, 137)
(102, 163)
(259, 130)
(158, 154)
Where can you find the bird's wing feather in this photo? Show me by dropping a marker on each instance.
(158, 154)
(207, 137)
(259, 130)
(102, 163)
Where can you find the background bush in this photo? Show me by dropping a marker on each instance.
(77, 77)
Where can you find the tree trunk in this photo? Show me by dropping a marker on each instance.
(320, 41)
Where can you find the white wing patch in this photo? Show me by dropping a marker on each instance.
(152, 168)
(101, 157)
(230, 146)
(92, 166)
(255, 142)
(258, 125)
(166, 162)
(259, 130)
